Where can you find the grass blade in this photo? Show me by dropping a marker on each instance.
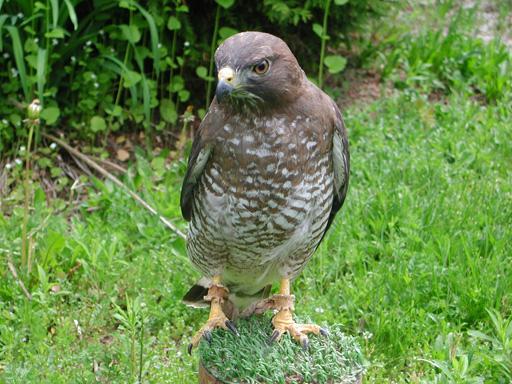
(72, 14)
(2, 21)
(122, 68)
(41, 73)
(154, 36)
(17, 48)
(55, 12)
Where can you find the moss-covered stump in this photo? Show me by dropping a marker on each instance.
(250, 359)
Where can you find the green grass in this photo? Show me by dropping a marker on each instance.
(230, 358)
(419, 255)
(418, 266)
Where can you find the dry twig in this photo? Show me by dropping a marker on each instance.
(18, 280)
(91, 163)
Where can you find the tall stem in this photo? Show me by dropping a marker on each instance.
(173, 57)
(324, 40)
(212, 53)
(26, 189)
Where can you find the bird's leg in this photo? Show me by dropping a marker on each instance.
(217, 294)
(283, 320)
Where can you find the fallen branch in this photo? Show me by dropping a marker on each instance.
(86, 159)
(18, 280)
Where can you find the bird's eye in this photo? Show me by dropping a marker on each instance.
(261, 67)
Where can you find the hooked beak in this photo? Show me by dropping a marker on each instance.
(226, 83)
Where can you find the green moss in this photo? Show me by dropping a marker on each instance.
(250, 359)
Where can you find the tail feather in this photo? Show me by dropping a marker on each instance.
(195, 295)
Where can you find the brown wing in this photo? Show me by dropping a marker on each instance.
(202, 149)
(341, 165)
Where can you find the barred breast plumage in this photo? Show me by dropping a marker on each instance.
(263, 201)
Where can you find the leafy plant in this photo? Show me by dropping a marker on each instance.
(109, 65)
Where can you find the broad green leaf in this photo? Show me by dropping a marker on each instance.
(202, 72)
(55, 33)
(168, 111)
(184, 95)
(115, 111)
(127, 4)
(72, 14)
(340, 2)
(226, 32)
(131, 78)
(318, 29)
(131, 33)
(226, 4)
(177, 84)
(50, 114)
(39, 197)
(98, 124)
(335, 63)
(31, 61)
(173, 23)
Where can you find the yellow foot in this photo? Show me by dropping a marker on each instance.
(217, 319)
(283, 322)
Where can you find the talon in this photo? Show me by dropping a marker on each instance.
(324, 332)
(189, 349)
(208, 336)
(274, 337)
(304, 341)
(231, 326)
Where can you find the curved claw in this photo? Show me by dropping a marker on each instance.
(232, 328)
(304, 342)
(275, 336)
(324, 332)
(208, 336)
(189, 348)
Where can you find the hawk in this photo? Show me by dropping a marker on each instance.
(267, 173)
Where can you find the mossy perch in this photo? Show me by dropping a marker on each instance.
(250, 359)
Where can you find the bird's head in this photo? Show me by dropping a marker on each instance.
(256, 69)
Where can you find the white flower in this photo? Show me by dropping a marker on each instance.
(159, 45)
(93, 76)
(18, 161)
(96, 85)
(36, 40)
(319, 310)
(53, 145)
(186, 43)
(4, 121)
(55, 42)
(367, 335)
(102, 32)
(14, 72)
(20, 15)
(22, 149)
(6, 55)
(73, 59)
(88, 42)
(34, 109)
(8, 166)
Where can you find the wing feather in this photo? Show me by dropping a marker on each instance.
(202, 149)
(341, 165)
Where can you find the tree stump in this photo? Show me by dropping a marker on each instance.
(250, 358)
